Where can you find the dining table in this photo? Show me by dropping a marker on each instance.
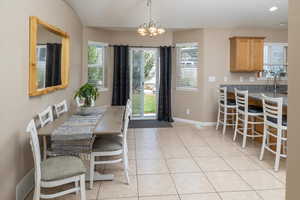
(110, 123)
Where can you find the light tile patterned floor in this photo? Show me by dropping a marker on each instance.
(187, 163)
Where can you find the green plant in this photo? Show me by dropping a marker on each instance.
(88, 93)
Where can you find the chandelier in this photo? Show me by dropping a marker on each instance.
(151, 28)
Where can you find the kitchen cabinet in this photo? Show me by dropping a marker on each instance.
(246, 54)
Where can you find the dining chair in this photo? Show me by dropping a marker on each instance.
(227, 108)
(247, 117)
(275, 126)
(45, 117)
(55, 171)
(61, 108)
(106, 146)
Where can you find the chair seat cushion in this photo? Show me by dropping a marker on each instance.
(107, 143)
(252, 109)
(61, 167)
(274, 120)
(230, 102)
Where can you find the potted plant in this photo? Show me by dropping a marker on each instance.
(88, 93)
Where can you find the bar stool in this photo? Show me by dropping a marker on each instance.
(275, 126)
(247, 114)
(227, 107)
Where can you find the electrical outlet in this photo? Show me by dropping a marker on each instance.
(188, 111)
(241, 79)
(225, 78)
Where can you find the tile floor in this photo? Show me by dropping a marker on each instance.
(187, 163)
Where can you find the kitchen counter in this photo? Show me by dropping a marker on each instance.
(256, 91)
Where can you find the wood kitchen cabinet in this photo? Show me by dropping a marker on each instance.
(246, 54)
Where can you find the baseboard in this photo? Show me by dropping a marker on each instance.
(25, 186)
(198, 123)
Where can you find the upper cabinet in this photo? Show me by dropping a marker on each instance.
(246, 54)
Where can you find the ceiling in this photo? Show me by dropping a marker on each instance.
(182, 14)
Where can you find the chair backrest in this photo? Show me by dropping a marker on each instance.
(61, 108)
(241, 98)
(222, 95)
(46, 116)
(272, 110)
(35, 147)
(80, 102)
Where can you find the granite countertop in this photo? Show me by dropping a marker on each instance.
(256, 92)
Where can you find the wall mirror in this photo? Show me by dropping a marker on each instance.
(49, 58)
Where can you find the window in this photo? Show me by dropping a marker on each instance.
(41, 52)
(275, 59)
(96, 64)
(187, 66)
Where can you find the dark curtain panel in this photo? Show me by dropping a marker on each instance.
(164, 101)
(53, 65)
(121, 80)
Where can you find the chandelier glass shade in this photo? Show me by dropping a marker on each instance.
(150, 28)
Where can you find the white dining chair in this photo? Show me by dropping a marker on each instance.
(275, 126)
(61, 108)
(227, 109)
(45, 117)
(247, 117)
(107, 146)
(55, 171)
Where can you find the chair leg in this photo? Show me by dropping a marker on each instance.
(225, 121)
(82, 188)
(92, 170)
(218, 120)
(264, 143)
(125, 163)
(245, 132)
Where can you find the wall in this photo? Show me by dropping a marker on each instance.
(293, 175)
(16, 107)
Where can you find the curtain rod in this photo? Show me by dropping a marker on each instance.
(139, 46)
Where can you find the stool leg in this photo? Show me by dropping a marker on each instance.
(236, 126)
(225, 120)
(218, 120)
(245, 132)
(278, 150)
(264, 143)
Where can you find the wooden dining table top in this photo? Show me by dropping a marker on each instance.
(110, 123)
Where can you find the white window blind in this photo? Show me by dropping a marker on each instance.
(187, 65)
(275, 59)
(96, 63)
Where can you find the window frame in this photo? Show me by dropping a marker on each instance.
(179, 67)
(285, 56)
(103, 45)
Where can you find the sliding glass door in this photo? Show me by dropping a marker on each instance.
(144, 77)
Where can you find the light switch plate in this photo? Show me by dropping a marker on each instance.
(211, 79)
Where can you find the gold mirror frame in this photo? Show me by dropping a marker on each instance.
(65, 61)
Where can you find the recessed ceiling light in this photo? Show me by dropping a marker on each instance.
(273, 8)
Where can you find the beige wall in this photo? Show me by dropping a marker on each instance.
(16, 107)
(293, 174)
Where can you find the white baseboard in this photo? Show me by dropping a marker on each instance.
(25, 186)
(195, 122)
